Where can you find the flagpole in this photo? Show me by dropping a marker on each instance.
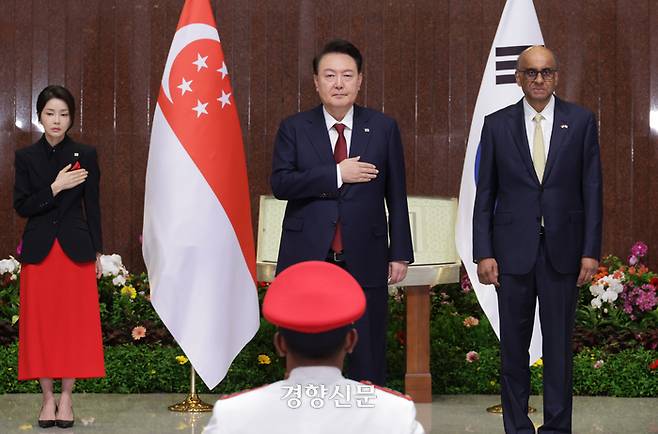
(192, 403)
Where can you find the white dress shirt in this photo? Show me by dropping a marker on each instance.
(348, 121)
(546, 124)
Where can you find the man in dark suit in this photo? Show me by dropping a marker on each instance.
(537, 232)
(337, 165)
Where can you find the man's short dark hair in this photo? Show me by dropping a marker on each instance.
(315, 346)
(339, 46)
(59, 92)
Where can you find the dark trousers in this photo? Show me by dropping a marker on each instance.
(558, 296)
(368, 360)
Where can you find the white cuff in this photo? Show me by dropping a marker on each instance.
(339, 178)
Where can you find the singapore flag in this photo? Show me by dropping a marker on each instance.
(198, 242)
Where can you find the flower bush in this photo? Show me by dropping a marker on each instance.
(9, 282)
(618, 309)
(614, 341)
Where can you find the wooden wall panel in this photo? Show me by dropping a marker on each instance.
(423, 65)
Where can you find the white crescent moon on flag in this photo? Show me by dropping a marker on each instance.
(183, 37)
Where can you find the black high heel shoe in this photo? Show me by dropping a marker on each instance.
(65, 423)
(49, 423)
(46, 423)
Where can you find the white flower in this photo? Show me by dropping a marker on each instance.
(612, 283)
(605, 290)
(609, 296)
(111, 265)
(392, 290)
(10, 265)
(119, 280)
(597, 289)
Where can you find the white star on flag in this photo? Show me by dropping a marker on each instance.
(200, 108)
(200, 62)
(224, 99)
(185, 86)
(223, 70)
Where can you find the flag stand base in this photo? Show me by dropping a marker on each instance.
(498, 409)
(192, 403)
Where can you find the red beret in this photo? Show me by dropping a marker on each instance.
(313, 297)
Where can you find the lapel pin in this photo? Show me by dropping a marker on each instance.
(366, 130)
(564, 126)
(75, 154)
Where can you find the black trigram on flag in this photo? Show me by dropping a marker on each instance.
(506, 63)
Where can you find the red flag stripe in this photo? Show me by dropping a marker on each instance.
(211, 134)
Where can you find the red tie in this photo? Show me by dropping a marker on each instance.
(340, 153)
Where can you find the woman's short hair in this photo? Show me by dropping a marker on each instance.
(59, 92)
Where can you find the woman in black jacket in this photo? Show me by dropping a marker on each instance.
(56, 189)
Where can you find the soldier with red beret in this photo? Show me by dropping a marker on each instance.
(315, 304)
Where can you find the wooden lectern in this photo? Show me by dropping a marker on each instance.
(436, 262)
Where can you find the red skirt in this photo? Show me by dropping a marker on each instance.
(59, 331)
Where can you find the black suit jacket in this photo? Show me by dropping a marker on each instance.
(510, 201)
(73, 216)
(304, 174)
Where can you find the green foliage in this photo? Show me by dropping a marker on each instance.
(625, 371)
(151, 368)
(624, 374)
(458, 326)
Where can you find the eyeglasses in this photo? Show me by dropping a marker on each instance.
(547, 74)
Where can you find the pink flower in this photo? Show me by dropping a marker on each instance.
(19, 247)
(646, 300)
(465, 284)
(472, 356)
(598, 364)
(639, 299)
(639, 249)
(471, 322)
(138, 333)
(633, 260)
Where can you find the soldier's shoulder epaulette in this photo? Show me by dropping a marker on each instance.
(241, 392)
(387, 390)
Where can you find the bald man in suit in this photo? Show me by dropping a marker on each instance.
(537, 232)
